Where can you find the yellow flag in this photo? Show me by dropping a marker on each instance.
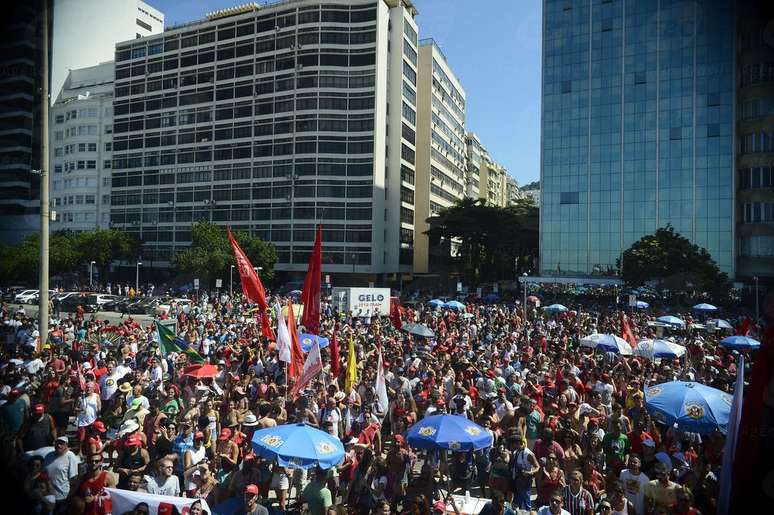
(351, 379)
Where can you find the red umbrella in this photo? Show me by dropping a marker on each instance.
(200, 371)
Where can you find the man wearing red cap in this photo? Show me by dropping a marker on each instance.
(252, 507)
(38, 431)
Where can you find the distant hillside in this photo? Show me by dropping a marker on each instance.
(531, 186)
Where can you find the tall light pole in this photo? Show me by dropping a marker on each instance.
(756, 298)
(44, 207)
(231, 282)
(137, 277)
(353, 256)
(91, 282)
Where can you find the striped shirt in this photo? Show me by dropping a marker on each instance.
(581, 503)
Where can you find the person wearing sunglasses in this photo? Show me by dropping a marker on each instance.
(554, 507)
(91, 491)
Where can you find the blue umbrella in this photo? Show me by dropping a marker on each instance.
(641, 304)
(695, 408)
(740, 343)
(298, 446)
(653, 349)
(308, 339)
(672, 320)
(555, 308)
(453, 304)
(704, 307)
(721, 324)
(436, 303)
(449, 432)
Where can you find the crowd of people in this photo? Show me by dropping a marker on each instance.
(98, 405)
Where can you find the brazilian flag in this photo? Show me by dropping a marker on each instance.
(170, 342)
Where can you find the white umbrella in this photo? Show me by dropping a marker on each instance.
(654, 349)
(607, 343)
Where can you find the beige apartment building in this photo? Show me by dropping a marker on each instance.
(441, 148)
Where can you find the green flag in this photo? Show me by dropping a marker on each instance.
(169, 342)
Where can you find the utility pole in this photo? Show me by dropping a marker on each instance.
(44, 208)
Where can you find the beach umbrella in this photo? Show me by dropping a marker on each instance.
(740, 343)
(298, 446)
(436, 303)
(555, 308)
(607, 343)
(653, 349)
(418, 330)
(704, 307)
(308, 339)
(200, 371)
(641, 304)
(695, 407)
(720, 323)
(448, 432)
(672, 320)
(453, 304)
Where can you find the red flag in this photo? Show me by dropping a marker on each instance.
(626, 331)
(296, 365)
(310, 297)
(744, 328)
(252, 288)
(335, 358)
(755, 426)
(395, 312)
(266, 325)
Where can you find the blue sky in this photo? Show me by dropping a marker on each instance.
(493, 46)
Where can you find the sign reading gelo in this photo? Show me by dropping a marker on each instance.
(363, 302)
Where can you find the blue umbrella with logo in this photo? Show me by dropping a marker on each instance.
(695, 407)
(308, 339)
(448, 432)
(298, 446)
(672, 320)
(740, 343)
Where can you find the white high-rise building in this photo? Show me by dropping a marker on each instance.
(81, 139)
(86, 31)
(271, 120)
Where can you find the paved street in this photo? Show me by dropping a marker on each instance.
(113, 317)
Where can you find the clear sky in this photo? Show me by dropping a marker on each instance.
(494, 47)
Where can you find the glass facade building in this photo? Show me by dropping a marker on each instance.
(637, 129)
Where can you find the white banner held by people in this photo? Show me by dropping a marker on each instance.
(125, 501)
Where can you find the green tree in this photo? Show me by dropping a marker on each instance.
(210, 256)
(674, 263)
(21, 263)
(494, 242)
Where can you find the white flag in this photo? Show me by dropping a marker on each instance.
(381, 385)
(283, 336)
(732, 433)
(312, 367)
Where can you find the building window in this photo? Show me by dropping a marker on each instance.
(569, 197)
(567, 86)
(713, 130)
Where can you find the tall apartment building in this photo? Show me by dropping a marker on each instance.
(475, 153)
(755, 140)
(270, 120)
(20, 81)
(637, 128)
(81, 140)
(493, 177)
(86, 31)
(440, 165)
(512, 191)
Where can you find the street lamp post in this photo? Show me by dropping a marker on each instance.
(137, 277)
(353, 256)
(756, 299)
(231, 282)
(91, 282)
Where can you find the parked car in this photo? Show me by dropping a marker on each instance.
(26, 297)
(143, 306)
(9, 294)
(71, 303)
(101, 299)
(114, 303)
(165, 305)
